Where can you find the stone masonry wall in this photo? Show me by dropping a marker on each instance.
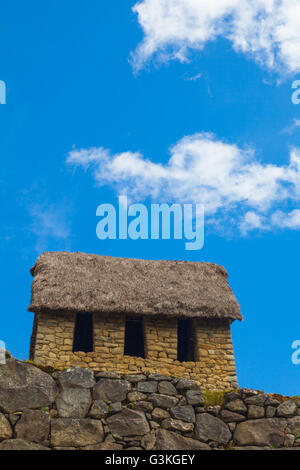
(214, 367)
(78, 409)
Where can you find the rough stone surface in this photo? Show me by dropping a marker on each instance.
(73, 403)
(34, 426)
(168, 440)
(210, 428)
(261, 432)
(255, 411)
(177, 425)
(163, 401)
(186, 384)
(147, 387)
(166, 388)
(194, 397)
(20, 444)
(5, 428)
(185, 413)
(230, 416)
(76, 377)
(287, 409)
(110, 390)
(24, 386)
(237, 406)
(66, 432)
(128, 423)
(99, 409)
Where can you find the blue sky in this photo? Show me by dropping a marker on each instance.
(176, 107)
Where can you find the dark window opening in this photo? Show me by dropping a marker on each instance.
(185, 341)
(134, 337)
(83, 333)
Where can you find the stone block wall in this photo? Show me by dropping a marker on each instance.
(79, 409)
(214, 366)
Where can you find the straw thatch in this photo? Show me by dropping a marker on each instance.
(78, 282)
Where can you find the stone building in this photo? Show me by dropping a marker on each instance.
(133, 316)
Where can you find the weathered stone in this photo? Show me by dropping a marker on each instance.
(186, 384)
(185, 413)
(166, 388)
(144, 406)
(111, 390)
(289, 440)
(99, 409)
(258, 399)
(108, 375)
(287, 409)
(260, 432)
(163, 401)
(294, 425)
(135, 378)
(136, 396)
(148, 441)
(159, 414)
(147, 387)
(33, 426)
(14, 417)
(20, 444)
(270, 411)
(255, 411)
(237, 406)
(69, 432)
(115, 407)
(159, 377)
(168, 440)
(5, 428)
(213, 409)
(210, 428)
(194, 397)
(230, 396)
(177, 425)
(76, 377)
(104, 446)
(271, 401)
(74, 402)
(248, 392)
(128, 423)
(231, 417)
(23, 385)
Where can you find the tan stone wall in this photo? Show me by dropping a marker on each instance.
(214, 367)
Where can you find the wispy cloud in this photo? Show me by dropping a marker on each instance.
(230, 181)
(266, 30)
(291, 129)
(48, 223)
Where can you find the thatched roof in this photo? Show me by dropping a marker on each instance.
(78, 282)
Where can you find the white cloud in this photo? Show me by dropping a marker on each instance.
(229, 180)
(267, 30)
(290, 220)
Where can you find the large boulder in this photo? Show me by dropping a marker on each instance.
(33, 426)
(128, 423)
(168, 440)
(76, 377)
(5, 428)
(287, 409)
(261, 432)
(23, 385)
(68, 432)
(209, 428)
(20, 444)
(111, 390)
(74, 403)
